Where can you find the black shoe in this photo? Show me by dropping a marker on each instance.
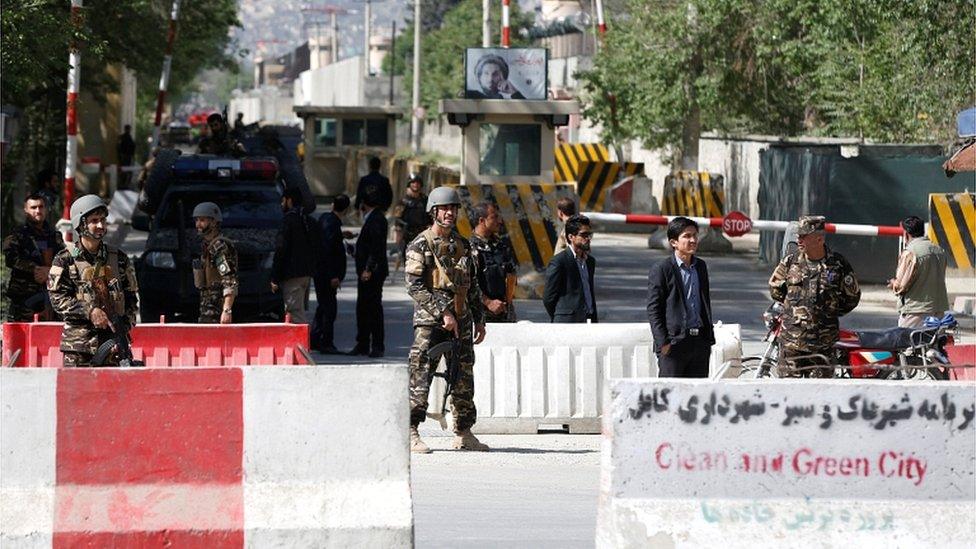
(376, 354)
(329, 350)
(358, 350)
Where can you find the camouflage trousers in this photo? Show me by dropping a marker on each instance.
(462, 395)
(789, 366)
(211, 305)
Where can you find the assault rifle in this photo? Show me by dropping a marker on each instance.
(450, 350)
(119, 345)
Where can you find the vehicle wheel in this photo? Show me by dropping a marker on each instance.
(158, 179)
(933, 373)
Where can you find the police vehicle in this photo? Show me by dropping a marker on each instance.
(248, 191)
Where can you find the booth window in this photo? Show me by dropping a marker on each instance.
(376, 135)
(510, 149)
(325, 132)
(352, 131)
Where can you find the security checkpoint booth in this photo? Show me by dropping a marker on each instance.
(339, 141)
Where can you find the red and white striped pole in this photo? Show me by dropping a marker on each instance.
(600, 23)
(754, 224)
(71, 123)
(167, 63)
(506, 30)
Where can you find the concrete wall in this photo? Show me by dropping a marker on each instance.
(738, 162)
(795, 462)
(268, 104)
(205, 457)
(342, 84)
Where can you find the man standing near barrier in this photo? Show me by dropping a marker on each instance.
(372, 269)
(374, 179)
(565, 208)
(294, 258)
(440, 278)
(495, 265)
(330, 271)
(90, 284)
(919, 279)
(569, 295)
(215, 273)
(679, 306)
(816, 286)
(29, 252)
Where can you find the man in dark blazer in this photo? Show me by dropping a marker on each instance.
(371, 271)
(679, 308)
(569, 295)
(329, 273)
(375, 180)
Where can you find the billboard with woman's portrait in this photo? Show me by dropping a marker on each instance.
(505, 73)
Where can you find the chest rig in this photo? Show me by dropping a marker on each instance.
(208, 270)
(97, 281)
(452, 269)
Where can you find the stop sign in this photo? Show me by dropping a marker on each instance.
(736, 223)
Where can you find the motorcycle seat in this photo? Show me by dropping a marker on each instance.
(893, 338)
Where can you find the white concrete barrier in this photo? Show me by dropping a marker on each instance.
(788, 463)
(529, 375)
(205, 457)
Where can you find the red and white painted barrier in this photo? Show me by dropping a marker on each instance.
(506, 29)
(167, 64)
(788, 462)
(170, 344)
(600, 23)
(737, 223)
(205, 457)
(71, 124)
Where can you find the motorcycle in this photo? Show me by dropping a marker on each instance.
(896, 353)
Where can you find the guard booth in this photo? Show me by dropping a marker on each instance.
(339, 141)
(508, 140)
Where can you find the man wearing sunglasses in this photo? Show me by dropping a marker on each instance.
(569, 295)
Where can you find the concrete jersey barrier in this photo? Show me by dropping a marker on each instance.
(205, 457)
(529, 375)
(794, 463)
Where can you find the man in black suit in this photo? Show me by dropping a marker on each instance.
(569, 295)
(679, 308)
(329, 273)
(371, 270)
(375, 180)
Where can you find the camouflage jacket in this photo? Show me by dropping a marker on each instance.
(411, 216)
(436, 291)
(221, 146)
(79, 281)
(815, 294)
(24, 249)
(218, 267)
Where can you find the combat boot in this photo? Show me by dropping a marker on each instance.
(464, 440)
(417, 445)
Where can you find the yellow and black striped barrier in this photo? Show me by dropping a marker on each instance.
(952, 225)
(596, 177)
(570, 156)
(697, 194)
(529, 214)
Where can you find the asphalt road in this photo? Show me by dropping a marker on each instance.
(542, 490)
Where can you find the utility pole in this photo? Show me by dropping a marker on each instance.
(392, 59)
(366, 28)
(485, 24)
(335, 37)
(415, 121)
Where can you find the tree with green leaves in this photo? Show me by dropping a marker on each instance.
(34, 61)
(885, 71)
(442, 50)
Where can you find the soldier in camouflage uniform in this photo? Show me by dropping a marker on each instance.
(29, 252)
(90, 283)
(411, 214)
(817, 286)
(441, 279)
(495, 265)
(215, 273)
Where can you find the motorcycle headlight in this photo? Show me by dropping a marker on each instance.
(160, 260)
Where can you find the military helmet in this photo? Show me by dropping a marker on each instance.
(208, 209)
(414, 176)
(443, 196)
(83, 206)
